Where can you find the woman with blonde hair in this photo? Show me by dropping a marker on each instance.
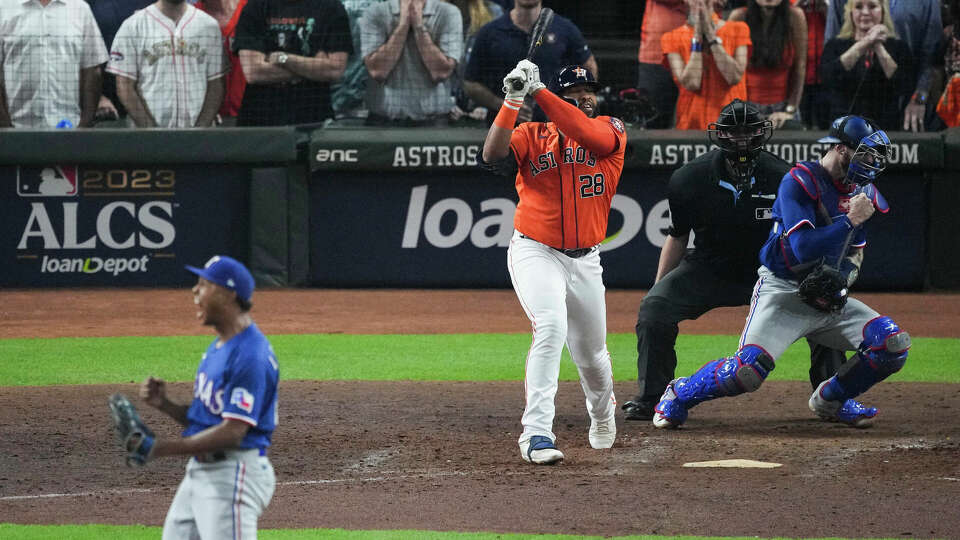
(866, 67)
(475, 14)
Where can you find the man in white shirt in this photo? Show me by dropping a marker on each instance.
(51, 51)
(168, 59)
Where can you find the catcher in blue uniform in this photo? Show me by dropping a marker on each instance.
(810, 259)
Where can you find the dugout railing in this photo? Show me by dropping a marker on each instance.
(357, 207)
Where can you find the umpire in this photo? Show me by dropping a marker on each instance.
(725, 197)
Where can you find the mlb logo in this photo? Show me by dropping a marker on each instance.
(763, 214)
(580, 72)
(242, 399)
(844, 204)
(50, 181)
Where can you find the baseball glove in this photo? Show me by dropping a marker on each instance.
(135, 437)
(825, 289)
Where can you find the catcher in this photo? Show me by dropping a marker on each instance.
(228, 426)
(812, 256)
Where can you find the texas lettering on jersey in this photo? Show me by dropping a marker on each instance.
(204, 391)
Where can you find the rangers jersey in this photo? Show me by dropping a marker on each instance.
(802, 234)
(237, 380)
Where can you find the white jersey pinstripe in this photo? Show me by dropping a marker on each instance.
(172, 62)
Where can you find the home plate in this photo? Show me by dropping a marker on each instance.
(741, 463)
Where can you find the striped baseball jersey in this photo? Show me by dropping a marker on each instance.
(171, 62)
(565, 188)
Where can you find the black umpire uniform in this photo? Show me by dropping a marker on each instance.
(729, 228)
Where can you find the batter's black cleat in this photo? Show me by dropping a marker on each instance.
(638, 410)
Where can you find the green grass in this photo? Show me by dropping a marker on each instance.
(137, 532)
(446, 357)
(475, 357)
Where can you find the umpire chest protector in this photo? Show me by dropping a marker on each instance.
(729, 225)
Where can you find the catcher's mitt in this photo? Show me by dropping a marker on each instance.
(825, 289)
(135, 437)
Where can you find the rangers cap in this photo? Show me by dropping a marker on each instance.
(228, 273)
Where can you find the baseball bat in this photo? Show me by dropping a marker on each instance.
(536, 36)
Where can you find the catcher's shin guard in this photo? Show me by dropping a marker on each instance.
(882, 353)
(742, 372)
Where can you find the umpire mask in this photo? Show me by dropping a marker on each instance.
(740, 133)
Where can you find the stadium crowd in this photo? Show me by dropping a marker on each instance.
(179, 64)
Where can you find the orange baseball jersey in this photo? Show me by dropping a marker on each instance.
(566, 188)
(695, 110)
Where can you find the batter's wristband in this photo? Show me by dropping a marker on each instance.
(507, 117)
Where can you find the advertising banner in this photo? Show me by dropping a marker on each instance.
(412, 149)
(451, 229)
(76, 225)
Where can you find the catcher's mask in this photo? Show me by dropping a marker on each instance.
(740, 133)
(870, 147)
(573, 75)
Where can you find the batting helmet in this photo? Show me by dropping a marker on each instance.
(740, 132)
(869, 143)
(573, 75)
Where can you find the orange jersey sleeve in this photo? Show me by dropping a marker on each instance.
(592, 133)
(565, 189)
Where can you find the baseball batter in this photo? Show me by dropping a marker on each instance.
(229, 480)
(567, 172)
(813, 254)
(169, 63)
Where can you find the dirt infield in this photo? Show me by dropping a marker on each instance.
(443, 456)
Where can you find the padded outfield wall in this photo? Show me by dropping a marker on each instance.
(354, 207)
(129, 207)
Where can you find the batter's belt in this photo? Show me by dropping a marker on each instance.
(572, 253)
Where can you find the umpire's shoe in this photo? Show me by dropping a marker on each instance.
(639, 410)
(540, 450)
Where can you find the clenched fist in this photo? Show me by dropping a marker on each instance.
(861, 209)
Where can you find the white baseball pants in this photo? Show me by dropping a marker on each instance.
(222, 499)
(564, 300)
(778, 317)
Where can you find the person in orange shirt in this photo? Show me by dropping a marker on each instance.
(567, 171)
(708, 58)
(659, 17)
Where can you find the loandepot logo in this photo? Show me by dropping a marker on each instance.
(93, 265)
(494, 225)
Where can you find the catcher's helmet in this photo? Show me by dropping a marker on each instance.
(740, 132)
(573, 75)
(869, 143)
